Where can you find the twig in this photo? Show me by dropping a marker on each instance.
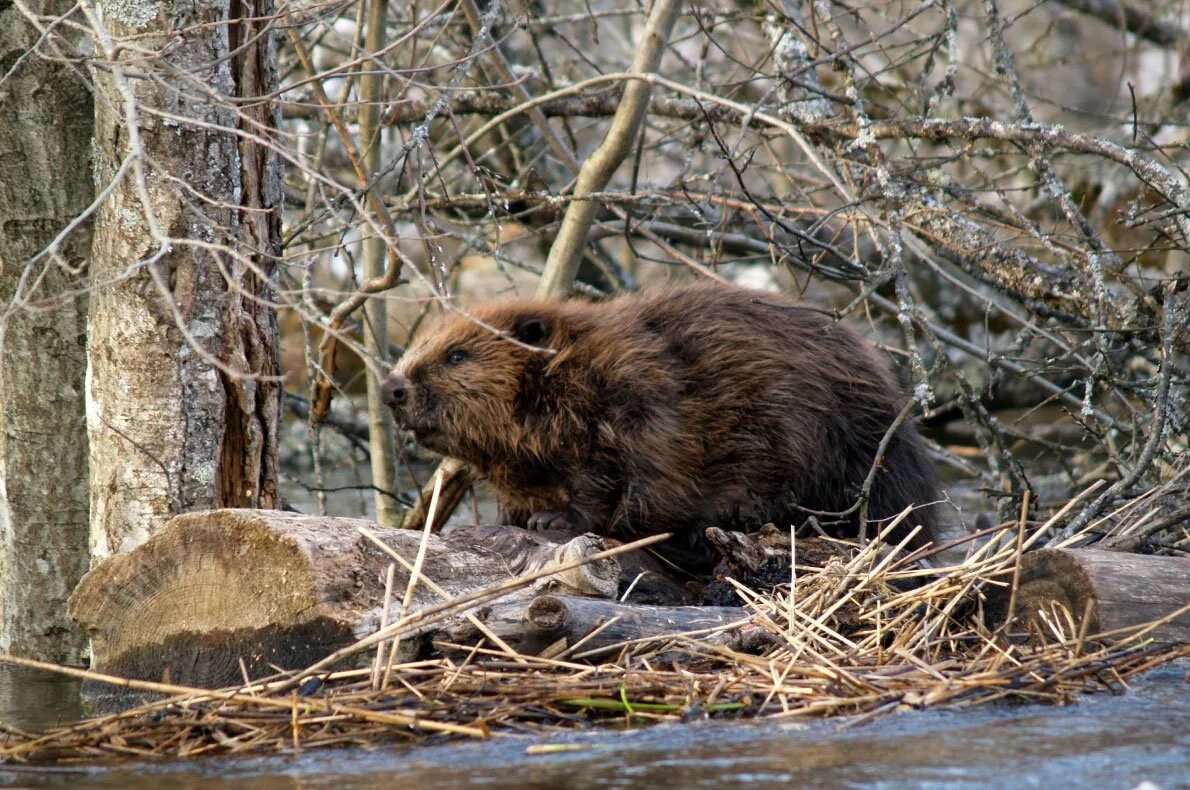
(566, 251)
(1156, 429)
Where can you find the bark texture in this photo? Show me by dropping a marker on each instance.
(283, 589)
(595, 625)
(45, 182)
(182, 330)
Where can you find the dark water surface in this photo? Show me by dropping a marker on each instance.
(1104, 741)
(35, 700)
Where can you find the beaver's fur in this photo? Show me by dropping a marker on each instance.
(668, 410)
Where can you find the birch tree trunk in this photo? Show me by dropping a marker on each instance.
(45, 182)
(182, 413)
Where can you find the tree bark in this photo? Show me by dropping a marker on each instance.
(183, 338)
(595, 625)
(45, 182)
(278, 588)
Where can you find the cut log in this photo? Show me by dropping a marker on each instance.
(1116, 591)
(531, 625)
(269, 588)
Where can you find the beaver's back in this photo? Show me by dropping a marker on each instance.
(770, 410)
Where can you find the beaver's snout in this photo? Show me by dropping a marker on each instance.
(395, 390)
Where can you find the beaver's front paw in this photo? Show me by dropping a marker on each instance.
(566, 520)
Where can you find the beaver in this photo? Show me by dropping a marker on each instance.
(666, 410)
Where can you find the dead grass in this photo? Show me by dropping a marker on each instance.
(848, 639)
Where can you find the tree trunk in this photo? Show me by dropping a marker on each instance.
(45, 182)
(182, 414)
(273, 588)
(381, 448)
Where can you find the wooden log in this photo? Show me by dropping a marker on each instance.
(531, 625)
(282, 589)
(1114, 590)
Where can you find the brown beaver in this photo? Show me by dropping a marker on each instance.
(667, 410)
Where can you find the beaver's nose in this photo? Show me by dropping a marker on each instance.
(396, 390)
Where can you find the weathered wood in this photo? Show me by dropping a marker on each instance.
(1115, 590)
(760, 560)
(746, 555)
(531, 625)
(456, 480)
(270, 588)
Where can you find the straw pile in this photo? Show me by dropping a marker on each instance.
(868, 634)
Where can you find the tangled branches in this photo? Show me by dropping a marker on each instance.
(965, 177)
(998, 190)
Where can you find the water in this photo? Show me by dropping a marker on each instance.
(1103, 741)
(35, 700)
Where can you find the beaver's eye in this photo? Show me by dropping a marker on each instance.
(456, 356)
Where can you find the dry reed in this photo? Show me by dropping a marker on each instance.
(868, 634)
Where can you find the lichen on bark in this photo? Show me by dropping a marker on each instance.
(182, 353)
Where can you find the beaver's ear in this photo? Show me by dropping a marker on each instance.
(531, 329)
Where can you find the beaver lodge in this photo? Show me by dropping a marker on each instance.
(239, 631)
